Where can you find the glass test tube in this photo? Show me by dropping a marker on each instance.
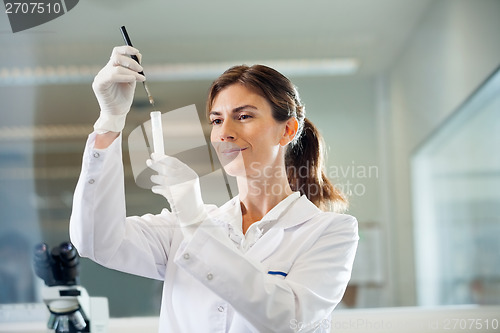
(157, 131)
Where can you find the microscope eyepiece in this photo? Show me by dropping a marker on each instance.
(69, 261)
(67, 247)
(60, 267)
(41, 249)
(68, 254)
(43, 264)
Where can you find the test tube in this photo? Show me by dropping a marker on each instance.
(157, 130)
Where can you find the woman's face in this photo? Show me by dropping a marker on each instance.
(245, 135)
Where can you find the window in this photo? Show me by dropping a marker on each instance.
(456, 202)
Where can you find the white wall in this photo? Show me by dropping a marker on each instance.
(454, 49)
(345, 111)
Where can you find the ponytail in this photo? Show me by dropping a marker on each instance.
(304, 162)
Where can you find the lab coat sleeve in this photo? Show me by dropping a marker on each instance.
(99, 228)
(301, 302)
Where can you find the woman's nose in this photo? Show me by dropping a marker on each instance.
(227, 132)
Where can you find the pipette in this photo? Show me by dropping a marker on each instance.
(129, 43)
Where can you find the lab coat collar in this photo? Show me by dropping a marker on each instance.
(297, 212)
(300, 211)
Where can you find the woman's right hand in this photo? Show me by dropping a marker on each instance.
(114, 88)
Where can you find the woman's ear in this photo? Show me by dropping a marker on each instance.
(291, 127)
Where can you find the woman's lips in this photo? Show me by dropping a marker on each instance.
(228, 152)
(231, 151)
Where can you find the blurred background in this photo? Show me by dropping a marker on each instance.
(405, 92)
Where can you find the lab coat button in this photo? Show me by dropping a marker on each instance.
(96, 155)
(186, 256)
(91, 181)
(220, 308)
(210, 276)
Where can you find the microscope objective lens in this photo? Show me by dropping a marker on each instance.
(62, 324)
(52, 323)
(78, 320)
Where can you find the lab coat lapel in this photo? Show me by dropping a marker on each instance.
(299, 212)
(267, 244)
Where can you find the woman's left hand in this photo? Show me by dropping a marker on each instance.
(180, 185)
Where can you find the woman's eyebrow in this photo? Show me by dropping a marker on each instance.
(235, 110)
(214, 113)
(243, 107)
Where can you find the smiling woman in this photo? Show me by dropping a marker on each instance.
(265, 260)
(264, 101)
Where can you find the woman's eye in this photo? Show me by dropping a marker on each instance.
(245, 116)
(216, 122)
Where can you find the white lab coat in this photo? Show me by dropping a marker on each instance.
(289, 279)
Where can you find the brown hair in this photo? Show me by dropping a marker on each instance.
(304, 158)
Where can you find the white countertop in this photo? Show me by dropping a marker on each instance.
(468, 318)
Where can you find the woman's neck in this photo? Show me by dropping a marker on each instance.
(259, 195)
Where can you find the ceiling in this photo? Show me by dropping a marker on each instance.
(179, 33)
(169, 32)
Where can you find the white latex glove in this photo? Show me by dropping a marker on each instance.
(180, 185)
(114, 88)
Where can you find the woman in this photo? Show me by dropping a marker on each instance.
(269, 260)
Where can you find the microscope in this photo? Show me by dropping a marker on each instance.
(71, 309)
